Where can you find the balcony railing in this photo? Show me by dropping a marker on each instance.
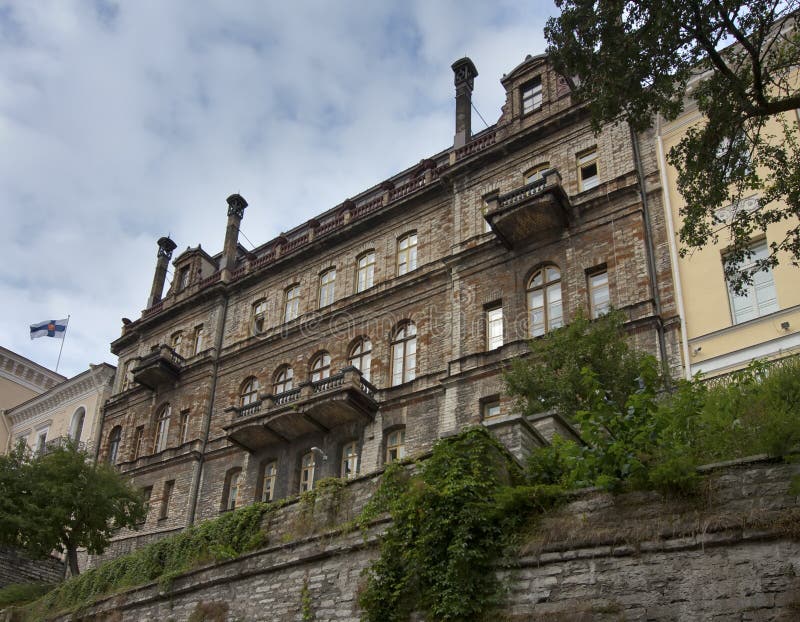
(162, 366)
(318, 406)
(61, 442)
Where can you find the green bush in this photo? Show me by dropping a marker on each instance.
(22, 593)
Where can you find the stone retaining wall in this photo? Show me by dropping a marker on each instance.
(731, 554)
(17, 568)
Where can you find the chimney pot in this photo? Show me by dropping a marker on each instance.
(464, 74)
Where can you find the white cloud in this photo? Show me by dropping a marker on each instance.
(121, 122)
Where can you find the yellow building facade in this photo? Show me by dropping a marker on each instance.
(723, 331)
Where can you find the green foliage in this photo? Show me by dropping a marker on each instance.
(226, 537)
(22, 593)
(62, 501)
(648, 51)
(555, 376)
(451, 523)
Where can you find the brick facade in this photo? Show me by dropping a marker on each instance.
(462, 268)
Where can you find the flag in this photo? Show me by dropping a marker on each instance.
(50, 328)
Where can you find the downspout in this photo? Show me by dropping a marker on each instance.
(651, 265)
(673, 253)
(207, 421)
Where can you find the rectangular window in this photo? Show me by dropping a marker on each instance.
(327, 284)
(146, 494)
(197, 340)
(233, 490)
(176, 340)
(292, 306)
(490, 407)
(307, 472)
(365, 277)
(532, 96)
(184, 427)
(494, 326)
(587, 170)
(759, 298)
(168, 488)
(349, 461)
(395, 446)
(183, 278)
(41, 442)
(268, 478)
(406, 254)
(138, 437)
(259, 316)
(599, 295)
(127, 375)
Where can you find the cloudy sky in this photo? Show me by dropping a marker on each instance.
(121, 122)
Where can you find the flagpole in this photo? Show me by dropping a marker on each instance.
(61, 349)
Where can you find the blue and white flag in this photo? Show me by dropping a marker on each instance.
(50, 328)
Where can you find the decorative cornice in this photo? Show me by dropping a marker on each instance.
(15, 368)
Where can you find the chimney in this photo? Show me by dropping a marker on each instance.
(465, 74)
(236, 205)
(165, 248)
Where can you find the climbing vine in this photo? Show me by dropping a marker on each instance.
(451, 523)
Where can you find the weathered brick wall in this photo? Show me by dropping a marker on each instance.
(18, 568)
(731, 554)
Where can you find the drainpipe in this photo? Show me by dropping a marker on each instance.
(193, 497)
(651, 264)
(673, 252)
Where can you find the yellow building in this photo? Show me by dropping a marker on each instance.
(20, 380)
(724, 331)
(72, 409)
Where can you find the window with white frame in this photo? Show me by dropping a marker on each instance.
(406, 254)
(361, 356)
(162, 428)
(269, 474)
(759, 297)
(321, 366)
(545, 309)
(231, 489)
(197, 339)
(327, 285)
(532, 95)
(365, 272)
(395, 445)
(283, 380)
(588, 176)
(291, 307)
(494, 326)
(259, 316)
(249, 392)
(183, 431)
(599, 294)
(176, 340)
(350, 460)
(307, 465)
(404, 354)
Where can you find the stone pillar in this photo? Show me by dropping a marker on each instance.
(465, 74)
(165, 248)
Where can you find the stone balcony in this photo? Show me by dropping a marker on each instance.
(162, 366)
(535, 212)
(317, 406)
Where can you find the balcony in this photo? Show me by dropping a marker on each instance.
(162, 366)
(535, 212)
(62, 442)
(312, 407)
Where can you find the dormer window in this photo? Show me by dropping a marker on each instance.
(183, 278)
(532, 95)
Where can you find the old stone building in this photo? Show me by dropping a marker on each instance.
(368, 332)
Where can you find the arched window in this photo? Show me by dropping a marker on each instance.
(283, 380)
(321, 366)
(230, 491)
(249, 392)
(259, 316)
(327, 285)
(269, 473)
(162, 428)
(113, 444)
(350, 460)
(407, 254)
(76, 427)
(307, 465)
(361, 356)
(404, 354)
(365, 273)
(545, 312)
(395, 445)
(535, 173)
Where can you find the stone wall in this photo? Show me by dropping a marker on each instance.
(17, 568)
(732, 553)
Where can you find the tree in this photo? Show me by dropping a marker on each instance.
(554, 376)
(61, 501)
(637, 59)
